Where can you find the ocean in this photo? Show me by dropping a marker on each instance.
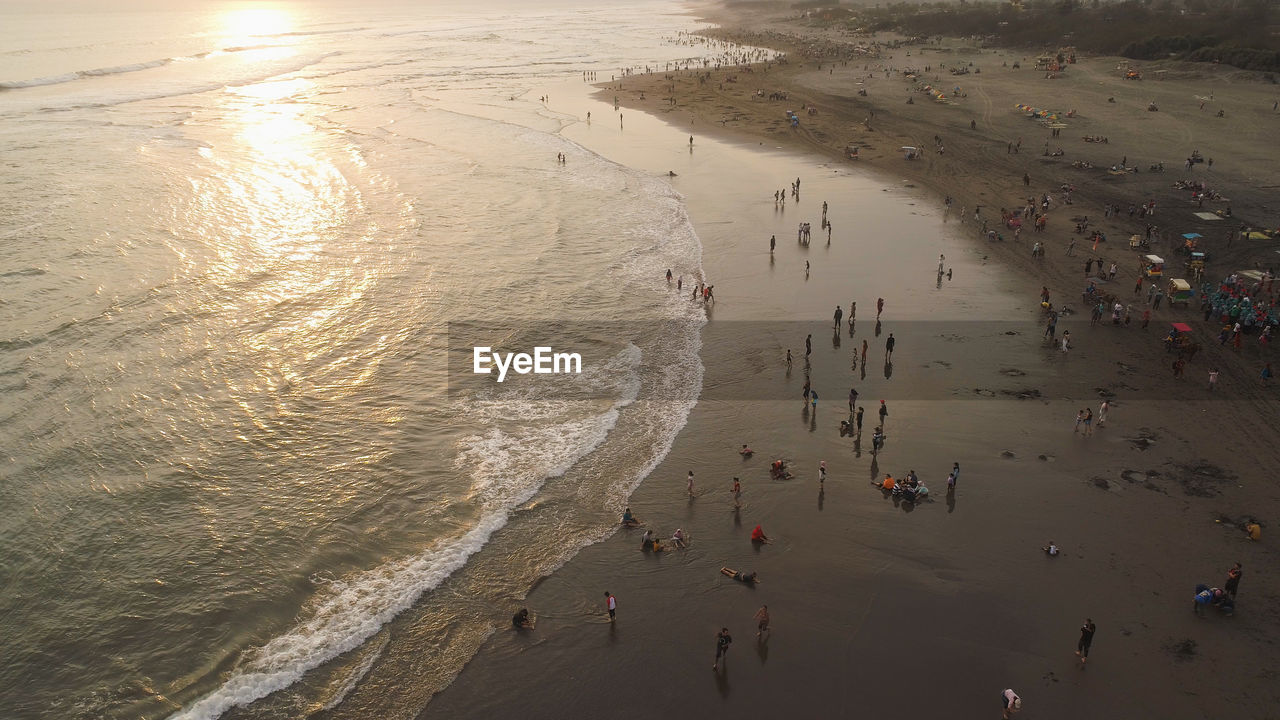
(239, 478)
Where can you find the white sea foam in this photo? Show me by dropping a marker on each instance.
(353, 610)
(79, 74)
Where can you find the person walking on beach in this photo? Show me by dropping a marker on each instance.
(839, 314)
(1066, 340)
(822, 473)
(1233, 580)
(1051, 330)
(806, 391)
(722, 647)
(864, 351)
(691, 493)
(1079, 421)
(808, 347)
(879, 307)
(788, 358)
(762, 620)
(1213, 379)
(884, 412)
(610, 604)
(857, 420)
(1011, 702)
(773, 242)
(1086, 639)
(853, 398)
(737, 493)
(888, 348)
(813, 397)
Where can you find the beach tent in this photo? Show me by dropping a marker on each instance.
(1182, 327)
(1192, 236)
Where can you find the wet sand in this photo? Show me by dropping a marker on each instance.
(954, 592)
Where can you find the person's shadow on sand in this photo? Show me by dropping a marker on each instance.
(762, 649)
(951, 500)
(722, 680)
(822, 494)
(888, 370)
(875, 468)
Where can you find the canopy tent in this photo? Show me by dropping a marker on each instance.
(1038, 112)
(1192, 236)
(1182, 327)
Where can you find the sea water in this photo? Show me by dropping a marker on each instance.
(238, 474)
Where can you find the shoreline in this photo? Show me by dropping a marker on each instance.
(1137, 505)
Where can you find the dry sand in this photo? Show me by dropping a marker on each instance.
(881, 609)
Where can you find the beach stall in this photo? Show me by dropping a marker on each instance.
(1152, 266)
(1179, 292)
(1178, 338)
(1190, 241)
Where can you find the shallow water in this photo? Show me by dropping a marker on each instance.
(234, 240)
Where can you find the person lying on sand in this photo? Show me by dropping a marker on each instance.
(746, 451)
(628, 519)
(887, 483)
(749, 578)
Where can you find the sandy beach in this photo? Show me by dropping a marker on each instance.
(901, 610)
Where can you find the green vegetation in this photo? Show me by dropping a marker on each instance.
(1232, 32)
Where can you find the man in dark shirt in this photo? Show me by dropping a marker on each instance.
(1086, 639)
(521, 620)
(722, 647)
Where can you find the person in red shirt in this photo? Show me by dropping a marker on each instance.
(758, 535)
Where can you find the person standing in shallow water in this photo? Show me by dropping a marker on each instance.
(888, 348)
